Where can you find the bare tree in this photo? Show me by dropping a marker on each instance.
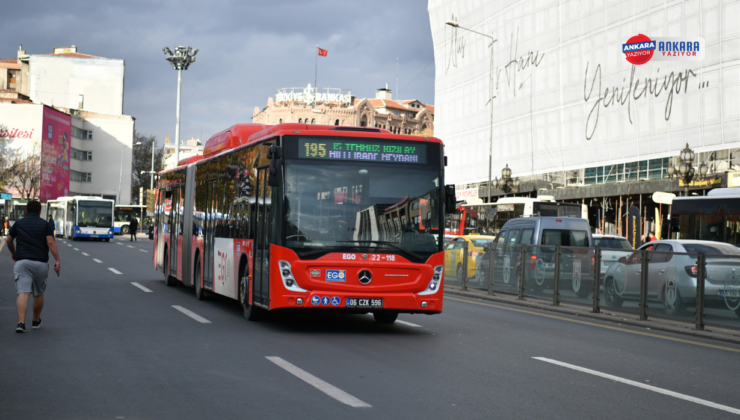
(27, 178)
(141, 160)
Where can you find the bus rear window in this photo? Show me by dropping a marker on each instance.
(565, 237)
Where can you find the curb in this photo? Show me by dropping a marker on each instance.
(601, 317)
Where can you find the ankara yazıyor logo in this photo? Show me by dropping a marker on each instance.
(640, 49)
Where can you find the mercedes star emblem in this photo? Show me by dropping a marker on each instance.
(364, 276)
(364, 256)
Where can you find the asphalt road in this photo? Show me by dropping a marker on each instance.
(111, 350)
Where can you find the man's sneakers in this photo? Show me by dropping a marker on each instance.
(36, 324)
(21, 328)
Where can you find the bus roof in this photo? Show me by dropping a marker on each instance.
(81, 197)
(242, 135)
(516, 200)
(715, 194)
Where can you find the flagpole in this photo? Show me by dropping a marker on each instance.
(316, 72)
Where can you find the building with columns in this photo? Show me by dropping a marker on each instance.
(331, 106)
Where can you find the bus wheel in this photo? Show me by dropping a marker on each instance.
(124, 230)
(199, 292)
(168, 280)
(251, 312)
(385, 317)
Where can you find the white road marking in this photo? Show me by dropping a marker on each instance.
(407, 323)
(69, 245)
(120, 243)
(141, 287)
(76, 249)
(86, 254)
(142, 250)
(643, 386)
(114, 270)
(317, 383)
(192, 314)
(129, 246)
(97, 261)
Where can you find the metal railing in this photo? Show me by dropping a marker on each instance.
(648, 284)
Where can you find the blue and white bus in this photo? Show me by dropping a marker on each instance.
(122, 215)
(82, 217)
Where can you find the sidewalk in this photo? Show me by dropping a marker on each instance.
(712, 333)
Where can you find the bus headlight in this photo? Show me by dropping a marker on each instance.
(436, 282)
(286, 273)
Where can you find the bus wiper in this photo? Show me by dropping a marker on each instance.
(391, 244)
(319, 251)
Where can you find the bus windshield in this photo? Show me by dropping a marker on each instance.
(369, 206)
(95, 214)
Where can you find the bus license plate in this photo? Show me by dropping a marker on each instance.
(93, 236)
(364, 303)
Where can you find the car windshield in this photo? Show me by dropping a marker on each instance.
(95, 214)
(565, 237)
(613, 243)
(480, 242)
(718, 248)
(363, 206)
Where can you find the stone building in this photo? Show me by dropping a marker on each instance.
(339, 107)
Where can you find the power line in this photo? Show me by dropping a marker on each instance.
(419, 74)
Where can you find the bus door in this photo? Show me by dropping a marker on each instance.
(174, 230)
(160, 221)
(210, 226)
(261, 281)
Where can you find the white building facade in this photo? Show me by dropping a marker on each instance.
(566, 102)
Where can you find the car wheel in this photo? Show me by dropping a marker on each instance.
(460, 274)
(611, 298)
(673, 304)
(385, 317)
(200, 294)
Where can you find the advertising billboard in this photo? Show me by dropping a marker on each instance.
(55, 150)
(566, 85)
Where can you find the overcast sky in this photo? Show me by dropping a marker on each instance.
(248, 49)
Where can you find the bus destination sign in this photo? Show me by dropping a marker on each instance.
(374, 151)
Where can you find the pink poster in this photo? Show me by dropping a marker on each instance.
(55, 150)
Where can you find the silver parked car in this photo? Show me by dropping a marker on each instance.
(672, 275)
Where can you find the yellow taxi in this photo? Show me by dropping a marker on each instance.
(454, 255)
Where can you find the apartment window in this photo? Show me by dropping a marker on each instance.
(81, 154)
(81, 134)
(80, 176)
(397, 113)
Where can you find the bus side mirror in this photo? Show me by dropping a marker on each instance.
(450, 199)
(275, 154)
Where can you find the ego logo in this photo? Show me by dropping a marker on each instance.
(639, 49)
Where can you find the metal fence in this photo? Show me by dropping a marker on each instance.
(649, 284)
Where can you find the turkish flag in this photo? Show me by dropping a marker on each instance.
(322, 52)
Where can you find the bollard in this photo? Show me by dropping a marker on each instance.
(522, 261)
(643, 284)
(597, 279)
(701, 264)
(556, 281)
(465, 267)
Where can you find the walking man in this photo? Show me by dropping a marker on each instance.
(133, 226)
(35, 240)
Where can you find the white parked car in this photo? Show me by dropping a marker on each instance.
(611, 242)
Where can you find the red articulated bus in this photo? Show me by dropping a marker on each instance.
(296, 216)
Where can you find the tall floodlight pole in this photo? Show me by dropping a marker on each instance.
(454, 24)
(180, 60)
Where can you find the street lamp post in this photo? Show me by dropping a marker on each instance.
(180, 60)
(506, 184)
(683, 169)
(454, 24)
